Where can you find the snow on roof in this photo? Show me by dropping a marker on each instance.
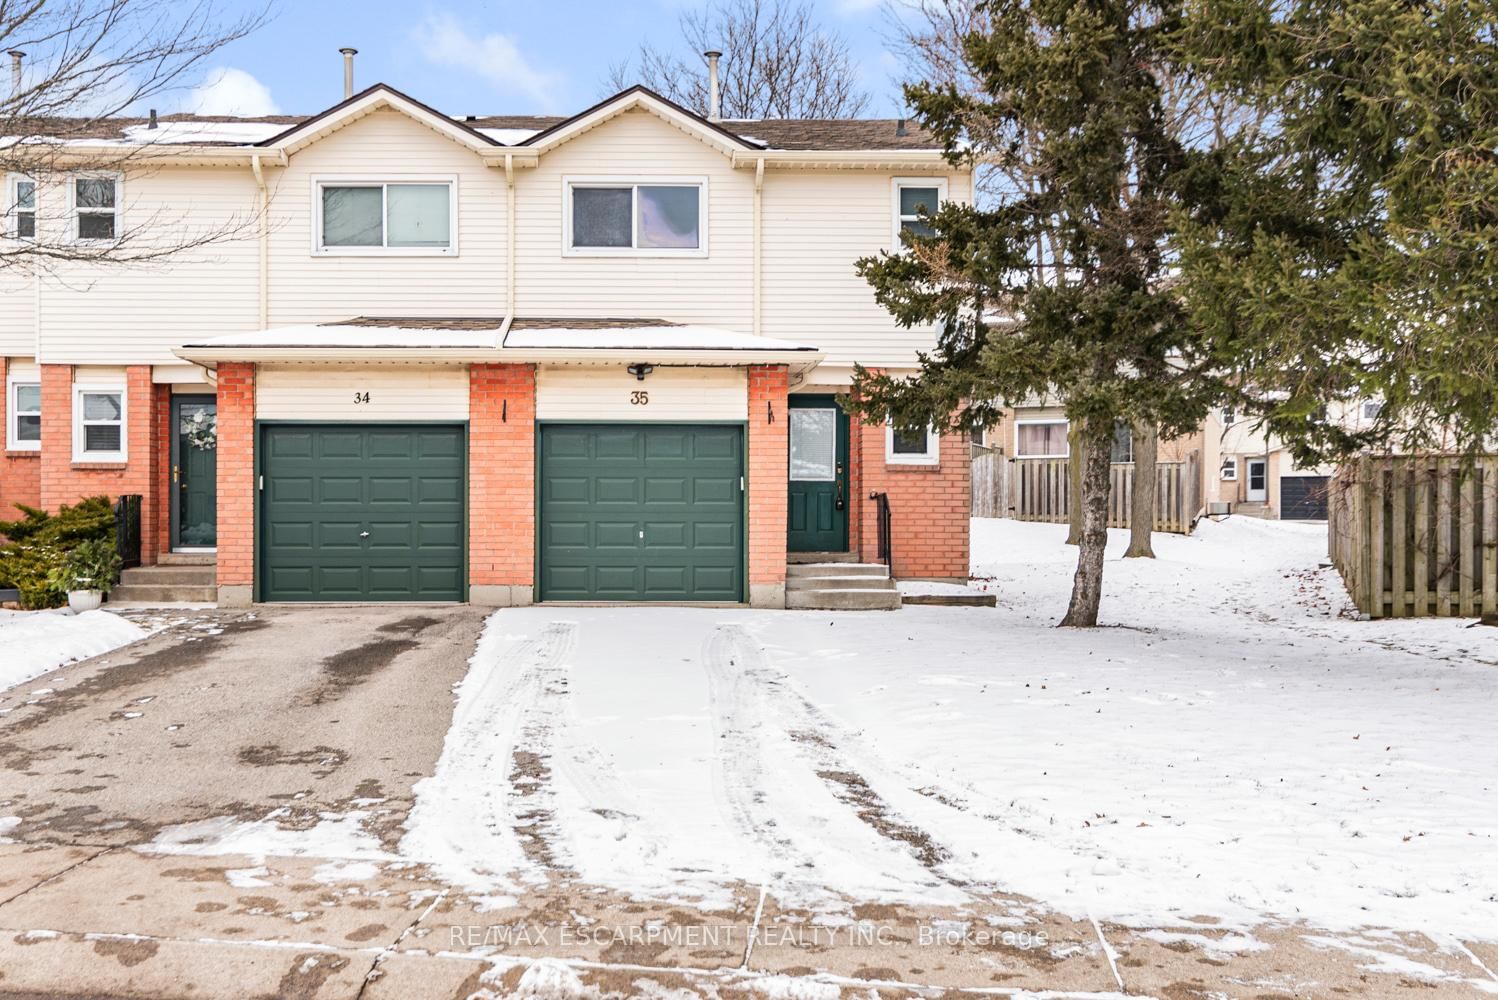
(673, 338)
(335, 335)
(240, 133)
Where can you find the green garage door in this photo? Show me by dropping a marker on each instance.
(641, 512)
(362, 512)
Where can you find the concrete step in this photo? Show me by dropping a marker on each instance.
(168, 575)
(187, 558)
(843, 600)
(793, 583)
(836, 569)
(126, 593)
(820, 557)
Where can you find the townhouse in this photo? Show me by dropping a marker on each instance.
(411, 356)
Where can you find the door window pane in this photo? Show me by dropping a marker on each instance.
(1043, 440)
(813, 445)
(419, 215)
(668, 217)
(601, 217)
(351, 217)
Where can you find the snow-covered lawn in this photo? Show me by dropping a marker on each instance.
(35, 642)
(1231, 747)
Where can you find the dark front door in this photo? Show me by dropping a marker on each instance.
(817, 513)
(194, 472)
(641, 512)
(362, 512)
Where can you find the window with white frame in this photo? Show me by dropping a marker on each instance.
(1229, 417)
(649, 217)
(1229, 469)
(1372, 408)
(96, 207)
(916, 198)
(98, 424)
(386, 217)
(23, 430)
(917, 447)
(21, 213)
(1041, 439)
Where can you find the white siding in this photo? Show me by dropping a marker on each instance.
(24, 369)
(716, 289)
(386, 145)
(17, 313)
(672, 394)
(317, 392)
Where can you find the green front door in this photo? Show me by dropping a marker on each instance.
(362, 512)
(817, 505)
(194, 498)
(641, 512)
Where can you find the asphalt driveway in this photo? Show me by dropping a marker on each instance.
(238, 714)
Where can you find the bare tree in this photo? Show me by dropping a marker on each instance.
(778, 62)
(79, 67)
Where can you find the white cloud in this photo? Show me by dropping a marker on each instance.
(858, 6)
(229, 91)
(495, 57)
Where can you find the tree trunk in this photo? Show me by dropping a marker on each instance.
(1087, 585)
(1142, 498)
(1074, 483)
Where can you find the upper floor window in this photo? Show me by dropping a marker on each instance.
(1372, 408)
(96, 207)
(24, 430)
(21, 197)
(644, 217)
(1041, 439)
(98, 424)
(378, 217)
(917, 447)
(916, 197)
(1229, 417)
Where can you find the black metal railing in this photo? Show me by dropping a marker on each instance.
(127, 529)
(886, 543)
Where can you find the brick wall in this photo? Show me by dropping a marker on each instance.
(236, 478)
(929, 505)
(64, 481)
(501, 483)
(20, 471)
(161, 416)
(769, 441)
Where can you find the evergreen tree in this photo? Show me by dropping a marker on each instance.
(1060, 286)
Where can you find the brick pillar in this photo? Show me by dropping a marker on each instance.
(57, 436)
(769, 444)
(20, 471)
(236, 484)
(501, 484)
(161, 421)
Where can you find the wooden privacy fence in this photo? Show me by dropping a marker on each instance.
(1417, 536)
(1039, 489)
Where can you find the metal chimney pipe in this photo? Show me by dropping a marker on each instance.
(714, 110)
(348, 72)
(16, 55)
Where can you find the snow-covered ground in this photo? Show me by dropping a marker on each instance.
(33, 643)
(1231, 747)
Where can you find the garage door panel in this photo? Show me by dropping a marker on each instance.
(603, 487)
(362, 512)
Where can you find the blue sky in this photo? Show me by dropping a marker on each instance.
(478, 57)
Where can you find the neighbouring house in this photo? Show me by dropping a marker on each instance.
(489, 359)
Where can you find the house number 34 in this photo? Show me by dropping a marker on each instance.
(639, 398)
(361, 398)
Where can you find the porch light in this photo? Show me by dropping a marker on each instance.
(639, 370)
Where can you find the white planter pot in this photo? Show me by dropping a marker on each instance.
(85, 600)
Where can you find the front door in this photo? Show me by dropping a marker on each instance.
(1258, 480)
(194, 472)
(818, 501)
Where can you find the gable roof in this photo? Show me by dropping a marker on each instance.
(371, 99)
(643, 97)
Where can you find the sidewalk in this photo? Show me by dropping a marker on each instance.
(113, 922)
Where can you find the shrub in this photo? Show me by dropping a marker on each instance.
(39, 544)
(93, 565)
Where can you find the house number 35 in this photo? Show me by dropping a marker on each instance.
(361, 397)
(639, 398)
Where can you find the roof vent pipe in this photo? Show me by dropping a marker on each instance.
(348, 72)
(16, 55)
(714, 111)
(900, 127)
(152, 122)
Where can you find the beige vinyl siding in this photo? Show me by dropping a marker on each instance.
(388, 146)
(672, 394)
(135, 314)
(715, 289)
(318, 392)
(17, 312)
(23, 370)
(816, 225)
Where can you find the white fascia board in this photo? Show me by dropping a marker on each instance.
(686, 123)
(867, 159)
(377, 101)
